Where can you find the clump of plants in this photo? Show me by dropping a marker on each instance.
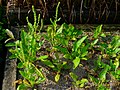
(25, 51)
(69, 49)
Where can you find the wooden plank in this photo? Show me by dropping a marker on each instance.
(10, 70)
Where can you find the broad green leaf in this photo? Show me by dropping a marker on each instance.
(84, 58)
(42, 57)
(76, 62)
(118, 72)
(103, 35)
(73, 76)
(117, 50)
(22, 87)
(84, 54)
(102, 75)
(57, 77)
(94, 42)
(78, 43)
(20, 65)
(82, 82)
(59, 31)
(10, 44)
(97, 31)
(31, 70)
(116, 63)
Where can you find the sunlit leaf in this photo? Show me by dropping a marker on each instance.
(94, 42)
(82, 82)
(60, 29)
(97, 31)
(78, 43)
(42, 57)
(102, 75)
(116, 63)
(57, 77)
(103, 35)
(76, 62)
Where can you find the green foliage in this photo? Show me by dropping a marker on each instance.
(25, 50)
(68, 48)
(78, 83)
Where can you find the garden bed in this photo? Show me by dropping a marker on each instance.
(65, 57)
(65, 82)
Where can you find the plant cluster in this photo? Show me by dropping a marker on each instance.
(68, 49)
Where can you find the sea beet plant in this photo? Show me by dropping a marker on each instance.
(25, 51)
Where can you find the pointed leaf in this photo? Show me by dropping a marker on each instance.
(78, 43)
(76, 62)
(97, 31)
(60, 29)
(43, 57)
(57, 77)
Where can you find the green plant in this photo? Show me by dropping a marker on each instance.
(60, 37)
(25, 51)
(107, 63)
(111, 52)
(76, 82)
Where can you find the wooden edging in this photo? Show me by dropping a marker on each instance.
(10, 71)
(9, 74)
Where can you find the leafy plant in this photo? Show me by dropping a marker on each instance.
(25, 51)
(78, 83)
(108, 62)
